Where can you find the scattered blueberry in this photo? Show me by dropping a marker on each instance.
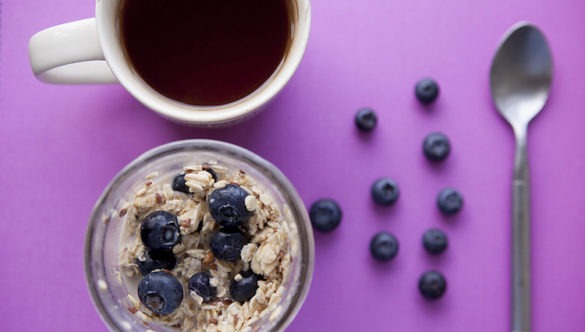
(426, 90)
(436, 147)
(211, 171)
(243, 290)
(435, 241)
(200, 284)
(227, 246)
(325, 215)
(160, 292)
(384, 246)
(179, 184)
(449, 201)
(365, 119)
(160, 231)
(432, 285)
(156, 260)
(228, 206)
(385, 191)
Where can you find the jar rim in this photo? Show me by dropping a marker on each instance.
(306, 245)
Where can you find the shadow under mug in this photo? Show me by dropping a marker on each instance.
(90, 51)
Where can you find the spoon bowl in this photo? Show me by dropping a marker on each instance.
(521, 74)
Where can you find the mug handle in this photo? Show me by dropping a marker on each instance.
(69, 53)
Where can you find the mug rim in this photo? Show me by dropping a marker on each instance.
(108, 36)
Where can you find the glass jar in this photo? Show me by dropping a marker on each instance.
(102, 266)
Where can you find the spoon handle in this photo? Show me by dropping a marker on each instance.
(521, 238)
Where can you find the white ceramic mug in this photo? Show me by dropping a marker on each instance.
(90, 51)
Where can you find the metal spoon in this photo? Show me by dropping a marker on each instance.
(520, 79)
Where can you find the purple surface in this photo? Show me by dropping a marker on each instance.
(61, 145)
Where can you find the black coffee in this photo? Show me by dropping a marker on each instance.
(205, 52)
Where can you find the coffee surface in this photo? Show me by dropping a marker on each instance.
(205, 52)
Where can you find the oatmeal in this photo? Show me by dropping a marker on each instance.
(207, 250)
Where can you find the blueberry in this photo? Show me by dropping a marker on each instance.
(179, 184)
(243, 290)
(160, 292)
(436, 147)
(365, 119)
(449, 201)
(325, 215)
(385, 191)
(435, 241)
(160, 231)
(199, 283)
(384, 246)
(426, 90)
(227, 245)
(228, 206)
(156, 260)
(211, 171)
(432, 285)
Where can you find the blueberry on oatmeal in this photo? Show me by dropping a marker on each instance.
(156, 260)
(160, 231)
(160, 292)
(210, 170)
(180, 184)
(200, 283)
(227, 245)
(244, 289)
(228, 206)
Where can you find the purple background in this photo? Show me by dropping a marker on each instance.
(61, 145)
